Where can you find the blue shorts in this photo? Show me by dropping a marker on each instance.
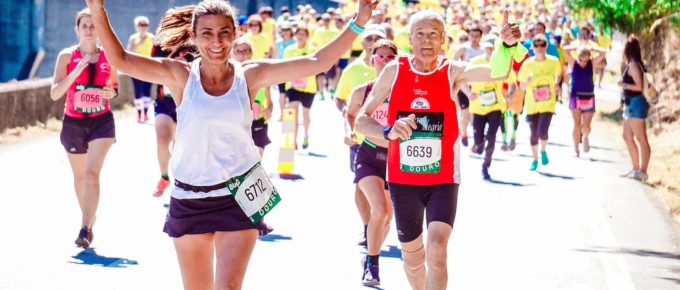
(165, 106)
(636, 107)
(342, 63)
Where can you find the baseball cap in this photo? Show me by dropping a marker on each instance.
(373, 29)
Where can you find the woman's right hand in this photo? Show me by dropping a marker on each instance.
(94, 3)
(365, 12)
(83, 63)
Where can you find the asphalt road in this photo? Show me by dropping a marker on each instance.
(574, 224)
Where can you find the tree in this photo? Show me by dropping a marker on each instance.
(629, 16)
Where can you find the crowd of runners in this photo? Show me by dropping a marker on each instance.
(408, 79)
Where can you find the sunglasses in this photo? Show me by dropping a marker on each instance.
(540, 44)
(373, 38)
(143, 24)
(245, 51)
(380, 58)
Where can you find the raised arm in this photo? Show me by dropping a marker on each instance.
(268, 72)
(159, 71)
(381, 90)
(506, 48)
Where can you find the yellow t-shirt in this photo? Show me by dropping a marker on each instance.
(401, 39)
(489, 94)
(604, 41)
(268, 28)
(355, 74)
(308, 84)
(356, 45)
(261, 44)
(145, 47)
(322, 36)
(540, 94)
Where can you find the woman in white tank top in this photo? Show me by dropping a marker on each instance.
(214, 157)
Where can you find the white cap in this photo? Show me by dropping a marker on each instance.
(373, 29)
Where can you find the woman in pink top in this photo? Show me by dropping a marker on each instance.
(83, 74)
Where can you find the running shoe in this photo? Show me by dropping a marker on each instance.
(534, 165)
(639, 176)
(586, 145)
(371, 275)
(485, 173)
(464, 140)
(544, 158)
(363, 241)
(504, 147)
(512, 144)
(85, 237)
(161, 186)
(305, 143)
(264, 229)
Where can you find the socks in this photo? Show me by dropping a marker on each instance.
(165, 176)
(373, 260)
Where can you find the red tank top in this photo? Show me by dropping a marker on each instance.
(427, 158)
(82, 98)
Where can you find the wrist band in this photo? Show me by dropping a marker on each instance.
(386, 132)
(356, 28)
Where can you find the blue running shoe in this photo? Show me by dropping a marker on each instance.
(544, 158)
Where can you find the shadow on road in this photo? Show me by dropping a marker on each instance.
(600, 160)
(291, 176)
(90, 257)
(475, 156)
(636, 252)
(274, 238)
(501, 182)
(312, 154)
(551, 175)
(392, 252)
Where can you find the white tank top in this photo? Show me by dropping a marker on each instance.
(213, 139)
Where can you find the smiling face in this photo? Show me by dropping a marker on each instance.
(213, 36)
(427, 37)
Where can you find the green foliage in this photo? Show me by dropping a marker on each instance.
(628, 16)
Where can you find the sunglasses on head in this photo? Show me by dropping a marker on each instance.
(540, 44)
(378, 58)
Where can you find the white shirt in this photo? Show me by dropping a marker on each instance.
(213, 140)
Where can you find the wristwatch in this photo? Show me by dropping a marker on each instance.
(386, 132)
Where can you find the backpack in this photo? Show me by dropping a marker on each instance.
(648, 89)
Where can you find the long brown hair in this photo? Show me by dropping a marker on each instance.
(176, 25)
(632, 51)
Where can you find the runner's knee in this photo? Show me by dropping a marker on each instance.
(414, 260)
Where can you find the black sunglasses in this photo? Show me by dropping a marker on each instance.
(540, 44)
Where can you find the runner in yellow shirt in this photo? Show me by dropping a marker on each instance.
(487, 103)
(301, 91)
(327, 81)
(262, 43)
(356, 74)
(539, 76)
(268, 22)
(141, 42)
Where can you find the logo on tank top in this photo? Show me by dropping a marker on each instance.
(420, 104)
(105, 67)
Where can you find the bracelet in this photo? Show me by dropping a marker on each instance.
(356, 28)
(386, 132)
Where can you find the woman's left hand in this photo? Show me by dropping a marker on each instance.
(109, 93)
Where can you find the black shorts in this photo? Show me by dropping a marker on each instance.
(205, 215)
(412, 202)
(370, 161)
(352, 156)
(343, 63)
(356, 53)
(259, 130)
(165, 106)
(306, 99)
(77, 133)
(282, 88)
(464, 101)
